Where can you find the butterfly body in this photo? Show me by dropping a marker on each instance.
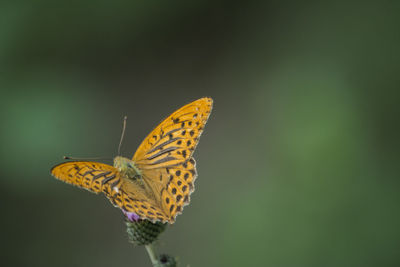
(127, 168)
(157, 182)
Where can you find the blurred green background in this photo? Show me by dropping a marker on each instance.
(298, 165)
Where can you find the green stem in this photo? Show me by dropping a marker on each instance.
(152, 254)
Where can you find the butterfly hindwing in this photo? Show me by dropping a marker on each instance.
(133, 198)
(180, 185)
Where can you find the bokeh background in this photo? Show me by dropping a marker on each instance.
(298, 165)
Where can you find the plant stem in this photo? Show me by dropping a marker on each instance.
(152, 254)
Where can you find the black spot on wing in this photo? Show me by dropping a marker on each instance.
(186, 199)
(170, 132)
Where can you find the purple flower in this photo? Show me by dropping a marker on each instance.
(133, 217)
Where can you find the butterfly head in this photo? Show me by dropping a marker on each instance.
(126, 167)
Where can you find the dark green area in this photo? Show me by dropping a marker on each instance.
(298, 165)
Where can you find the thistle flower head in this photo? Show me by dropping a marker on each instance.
(131, 216)
(142, 232)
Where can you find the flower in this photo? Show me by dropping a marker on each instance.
(131, 216)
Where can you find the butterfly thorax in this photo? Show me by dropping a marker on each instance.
(127, 168)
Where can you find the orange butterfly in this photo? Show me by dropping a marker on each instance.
(156, 184)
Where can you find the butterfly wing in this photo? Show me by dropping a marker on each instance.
(133, 198)
(173, 188)
(98, 177)
(174, 140)
(165, 156)
(93, 176)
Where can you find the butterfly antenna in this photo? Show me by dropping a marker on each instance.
(122, 135)
(73, 158)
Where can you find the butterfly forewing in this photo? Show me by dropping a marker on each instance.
(93, 176)
(174, 140)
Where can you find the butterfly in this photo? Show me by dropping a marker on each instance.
(157, 182)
